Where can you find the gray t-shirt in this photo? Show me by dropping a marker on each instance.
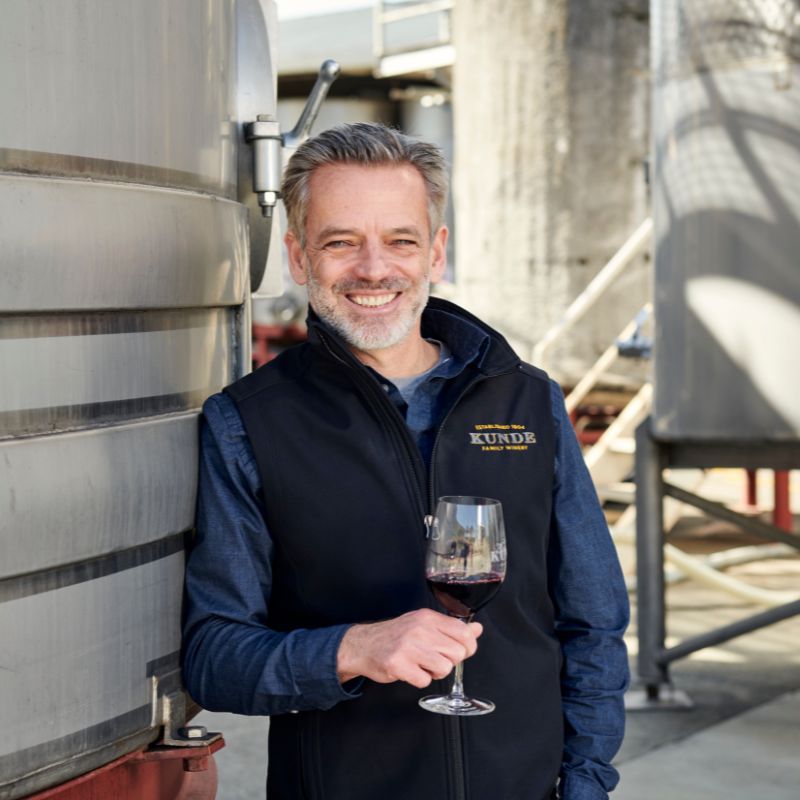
(407, 386)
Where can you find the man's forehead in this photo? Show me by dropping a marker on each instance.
(366, 173)
(344, 196)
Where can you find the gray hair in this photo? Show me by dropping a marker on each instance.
(365, 143)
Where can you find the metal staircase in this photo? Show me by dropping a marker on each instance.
(611, 459)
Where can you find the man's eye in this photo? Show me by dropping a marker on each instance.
(404, 242)
(337, 244)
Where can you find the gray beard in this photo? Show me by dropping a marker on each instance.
(368, 336)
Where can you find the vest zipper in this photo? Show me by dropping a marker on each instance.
(393, 420)
(455, 734)
(453, 744)
(454, 738)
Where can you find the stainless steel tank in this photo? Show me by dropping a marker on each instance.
(126, 256)
(726, 207)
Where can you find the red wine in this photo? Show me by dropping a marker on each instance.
(463, 595)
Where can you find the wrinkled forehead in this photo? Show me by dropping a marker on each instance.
(379, 175)
(347, 196)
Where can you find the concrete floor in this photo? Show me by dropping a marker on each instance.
(242, 763)
(741, 739)
(752, 755)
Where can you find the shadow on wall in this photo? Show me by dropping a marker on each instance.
(727, 207)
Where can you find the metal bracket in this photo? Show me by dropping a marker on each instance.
(196, 758)
(637, 345)
(268, 142)
(170, 712)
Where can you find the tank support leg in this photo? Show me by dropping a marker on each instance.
(655, 691)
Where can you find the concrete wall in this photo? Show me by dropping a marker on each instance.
(551, 110)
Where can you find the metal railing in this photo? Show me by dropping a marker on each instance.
(414, 55)
(603, 364)
(597, 287)
(612, 456)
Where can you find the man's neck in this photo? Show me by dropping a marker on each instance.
(413, 356)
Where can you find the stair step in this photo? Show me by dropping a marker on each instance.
(624, 446)
(617, 493)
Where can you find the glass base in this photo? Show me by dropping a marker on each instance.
(456, 706)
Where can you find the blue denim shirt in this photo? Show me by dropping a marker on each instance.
(233, 663)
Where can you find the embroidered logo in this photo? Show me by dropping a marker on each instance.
(499, 437)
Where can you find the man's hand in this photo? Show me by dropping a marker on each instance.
(416, 648)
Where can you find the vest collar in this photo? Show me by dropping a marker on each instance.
(497, 356)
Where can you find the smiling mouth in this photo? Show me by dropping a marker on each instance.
(372, 300)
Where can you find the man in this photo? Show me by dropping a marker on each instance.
(306, 597)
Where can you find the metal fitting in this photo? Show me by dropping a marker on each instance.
(193, 732)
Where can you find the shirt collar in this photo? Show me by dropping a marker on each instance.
(467, 342)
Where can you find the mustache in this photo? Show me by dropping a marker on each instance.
(386, 285)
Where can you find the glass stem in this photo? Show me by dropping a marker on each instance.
(458, 686)
(458, 677)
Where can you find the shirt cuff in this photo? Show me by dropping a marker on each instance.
(316, 660)
(576, 787)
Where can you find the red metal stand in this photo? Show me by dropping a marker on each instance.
(160, 773)
(781, 510)
(751, 492)
(269, 340)
(782, 513)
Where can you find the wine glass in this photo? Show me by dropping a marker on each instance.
(465, 566)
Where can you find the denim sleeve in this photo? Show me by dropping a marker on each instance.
(232, 660)
(591, 608)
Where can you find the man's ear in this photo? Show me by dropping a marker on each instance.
(296, 258)
(439, 255)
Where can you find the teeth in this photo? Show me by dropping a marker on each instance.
(372, 299)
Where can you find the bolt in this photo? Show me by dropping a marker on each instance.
(194, 732)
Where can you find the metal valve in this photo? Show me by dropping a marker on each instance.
(638, 345)
(265, 136)
(268, 142)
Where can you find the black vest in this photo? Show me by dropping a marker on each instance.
(344, 496)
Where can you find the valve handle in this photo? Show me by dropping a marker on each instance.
(328, 73)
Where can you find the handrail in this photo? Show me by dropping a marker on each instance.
(384, 14)
(597, 370)
(596, 289)
(411, 10)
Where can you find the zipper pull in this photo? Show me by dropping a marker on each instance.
(431, 528)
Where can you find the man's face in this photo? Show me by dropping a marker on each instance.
(369, 260)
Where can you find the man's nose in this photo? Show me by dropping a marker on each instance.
(372, 261)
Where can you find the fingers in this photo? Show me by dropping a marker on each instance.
(414, 648)
(418, 678)
(464, 634)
